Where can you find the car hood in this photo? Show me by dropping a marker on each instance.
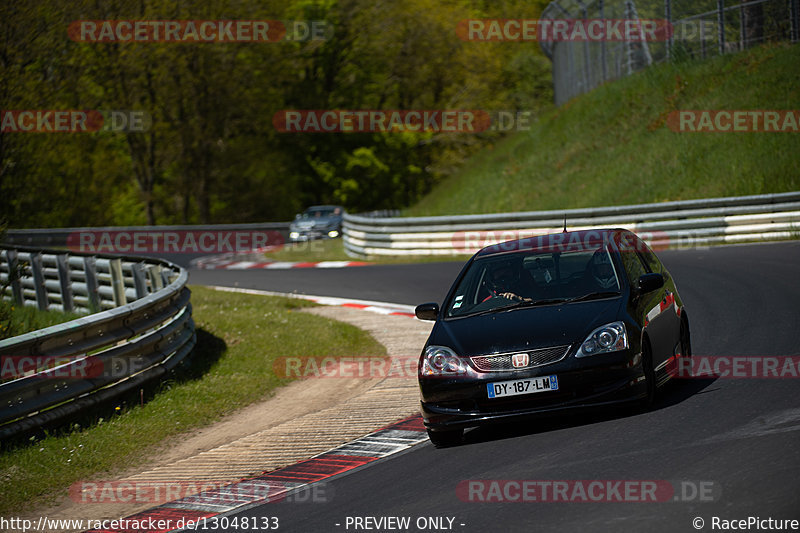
(526, 328)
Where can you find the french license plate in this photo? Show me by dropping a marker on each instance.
(514, 387)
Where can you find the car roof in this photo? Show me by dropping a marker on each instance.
(562, 241)
(319, 207)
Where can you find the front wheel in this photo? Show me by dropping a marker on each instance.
(686, 339)
(445, 439)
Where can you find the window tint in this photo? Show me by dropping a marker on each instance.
(649, 257)
(631, 261)
(496, 282)
(313, 213)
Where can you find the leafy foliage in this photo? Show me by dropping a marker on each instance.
(212, 153)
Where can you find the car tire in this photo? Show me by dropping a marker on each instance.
(445, 439)
(649, 376)
(686, 339)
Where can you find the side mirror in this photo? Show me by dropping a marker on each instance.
(427, 311)
(297, 216)
(649, 283)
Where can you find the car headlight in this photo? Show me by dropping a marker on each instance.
(333, 234)
(441, 361)
(294, 234)
(605, 339)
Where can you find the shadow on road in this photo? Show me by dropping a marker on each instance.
(675, 392)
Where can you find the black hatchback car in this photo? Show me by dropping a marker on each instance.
(317, 221)
(548, 324)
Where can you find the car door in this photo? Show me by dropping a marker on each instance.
(646, 307)
(669, 306)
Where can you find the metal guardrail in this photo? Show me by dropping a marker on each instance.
(664, 225)
(56, 237)
(56, 372)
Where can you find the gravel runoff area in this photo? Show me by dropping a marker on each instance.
(301, 420)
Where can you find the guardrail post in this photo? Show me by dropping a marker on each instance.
(13, 270)
(38, 281)
(154, 274)
(90, 270)
(62, 265)
(117, 282)
(139, 282)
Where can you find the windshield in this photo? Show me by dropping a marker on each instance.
(320, 212)
(531, 278)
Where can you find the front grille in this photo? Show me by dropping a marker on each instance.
(502, 362)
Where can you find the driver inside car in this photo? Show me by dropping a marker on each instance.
(602, 272)
(506, 280)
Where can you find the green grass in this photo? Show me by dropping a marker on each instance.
(239, 336)
(17, 320)
(333, 250)
(612, 146)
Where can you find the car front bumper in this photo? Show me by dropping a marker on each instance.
(313, 234)
(462, 402)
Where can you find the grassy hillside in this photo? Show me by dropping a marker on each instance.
(612, 146)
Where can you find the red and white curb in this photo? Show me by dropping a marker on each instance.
(383, 308)
(276, 485)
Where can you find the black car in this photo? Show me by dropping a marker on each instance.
(318, 221)
(548, 324)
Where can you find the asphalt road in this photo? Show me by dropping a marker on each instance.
(737, 440)
(403, 284)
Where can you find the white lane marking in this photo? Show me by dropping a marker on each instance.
(241, 265)
(333, 264)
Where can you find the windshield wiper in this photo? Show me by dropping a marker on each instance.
(515, 305)
(594, 296)
(536, 303)
(532, 303)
